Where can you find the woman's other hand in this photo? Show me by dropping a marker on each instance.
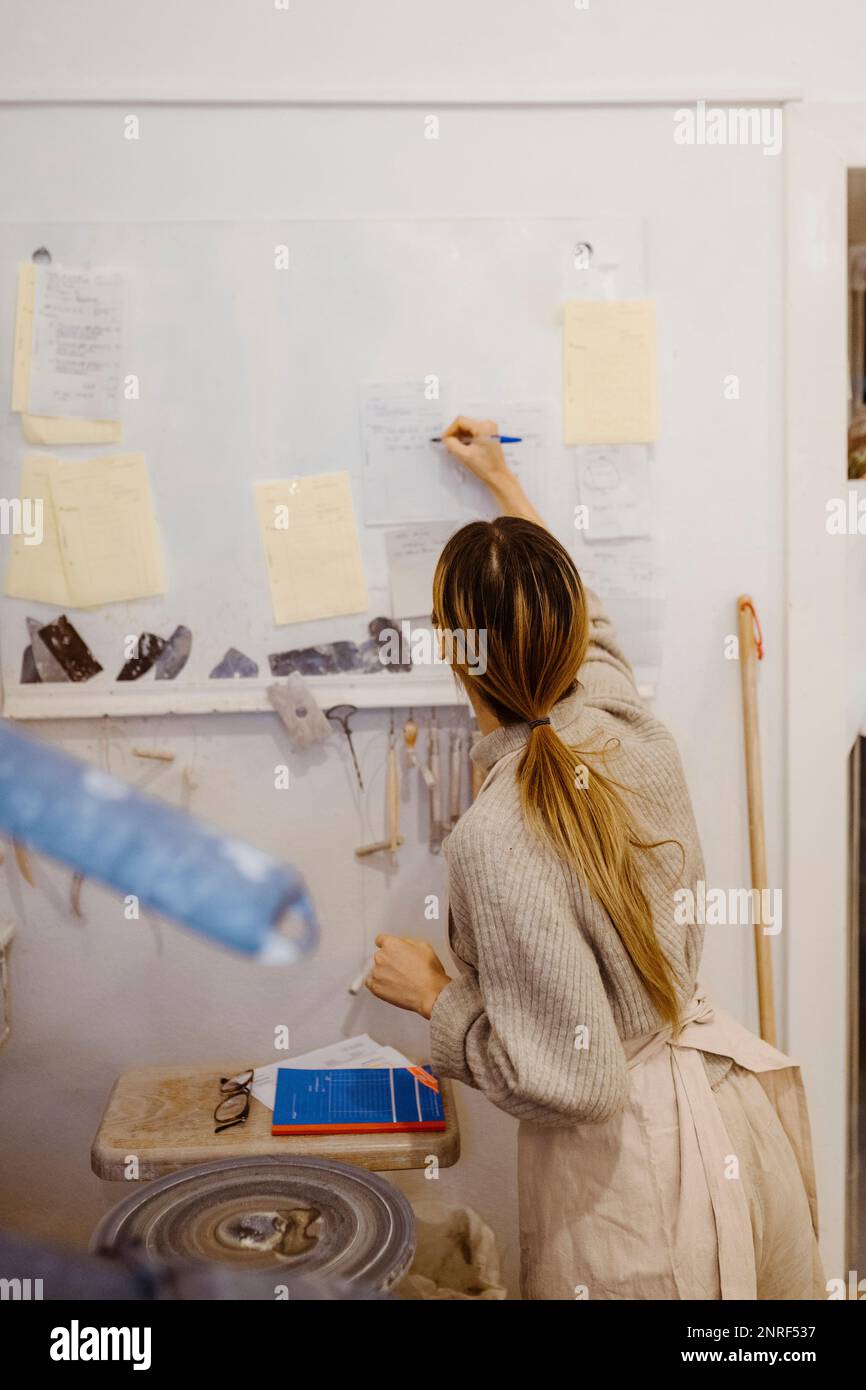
(407, 973)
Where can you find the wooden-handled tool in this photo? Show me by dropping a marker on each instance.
(455, 781)
(751, 648)
(393, 795)
(395, 839)
(434, 764)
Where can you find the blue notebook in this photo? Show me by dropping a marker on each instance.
(356, 1100)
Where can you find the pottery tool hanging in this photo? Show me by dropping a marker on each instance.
(394, 839)
(410, 738)
(341, 714)
(393, 794)
(455, 779)
(434, 766)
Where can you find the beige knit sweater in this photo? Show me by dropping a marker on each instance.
(540, 957)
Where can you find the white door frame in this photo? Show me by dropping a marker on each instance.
(822, 142)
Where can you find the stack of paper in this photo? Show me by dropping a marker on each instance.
(312, 552)
(68, 354)
(99, 541)
(360, 1051)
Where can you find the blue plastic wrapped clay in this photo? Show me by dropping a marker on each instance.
(171, 862)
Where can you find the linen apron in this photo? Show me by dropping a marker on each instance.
(667, 1201)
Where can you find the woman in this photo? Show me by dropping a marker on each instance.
(663, 1150)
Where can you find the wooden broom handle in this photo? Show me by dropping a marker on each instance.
(750, 654)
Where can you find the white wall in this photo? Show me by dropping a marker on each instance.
(91, 999)
(469, 46)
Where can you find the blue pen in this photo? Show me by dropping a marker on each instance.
(467, 438)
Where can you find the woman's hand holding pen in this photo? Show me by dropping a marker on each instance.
(470, 442)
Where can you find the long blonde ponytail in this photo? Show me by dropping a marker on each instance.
(511, 580)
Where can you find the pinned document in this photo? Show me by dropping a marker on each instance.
(614, 486)
(413, 552)
(107, 528)
(609, 372)
(311, 547)
(75, 374)
(404, 476)
(36, 571)
(628, 577)
(100, 542)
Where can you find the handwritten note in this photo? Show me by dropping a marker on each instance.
(311, 547)
(408, 479)
(45, 429)
(412, 555)
(627, 575)
(613, 483)
(100, 542)
(609, 372)
(403, 472)
(77, 343)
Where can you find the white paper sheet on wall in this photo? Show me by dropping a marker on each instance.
(530, 421)
(404, 478)
(628, 579)
(613, 483)
(412, 555)
(408, 479)
(45, 429)
(77, 343)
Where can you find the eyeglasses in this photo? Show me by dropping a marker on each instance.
(234, 1107)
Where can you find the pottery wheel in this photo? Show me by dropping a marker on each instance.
(280, 1214)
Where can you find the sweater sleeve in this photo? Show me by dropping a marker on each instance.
(531, 1026)
(605, 672)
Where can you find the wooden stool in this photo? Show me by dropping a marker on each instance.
(163, 1117)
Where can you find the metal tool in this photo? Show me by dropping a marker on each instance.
(342, 714)
(434, 765)
(394, 839)
(456, 777)
(410, 738)
(393, 794)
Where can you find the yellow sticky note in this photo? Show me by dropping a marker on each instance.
(107, 529)
(311, 547)
(45, 429)
(35, 563)
(609, 372)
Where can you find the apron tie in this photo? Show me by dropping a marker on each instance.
(705, 1159)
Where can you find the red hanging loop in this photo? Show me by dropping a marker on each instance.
(756, 623)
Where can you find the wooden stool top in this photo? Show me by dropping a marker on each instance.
(164, 1117)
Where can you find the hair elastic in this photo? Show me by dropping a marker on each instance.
(534, 723)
